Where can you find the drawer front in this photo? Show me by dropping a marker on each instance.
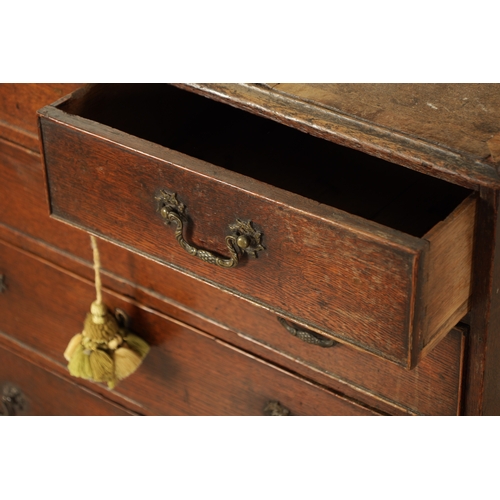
(26, 389)
(187, 372)
(351, 279)
(432, 388)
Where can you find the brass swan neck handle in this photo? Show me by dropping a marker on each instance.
(244, 239)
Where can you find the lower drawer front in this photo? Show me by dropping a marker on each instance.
(187, 372)
(26, 389)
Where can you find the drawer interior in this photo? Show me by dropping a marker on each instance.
(273, 153)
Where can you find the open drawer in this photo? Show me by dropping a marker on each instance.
(347, 245)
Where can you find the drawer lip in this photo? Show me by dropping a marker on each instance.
(411, 249)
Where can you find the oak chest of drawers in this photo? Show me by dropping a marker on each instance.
(285, 249)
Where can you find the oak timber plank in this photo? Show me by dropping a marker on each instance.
(458, 116)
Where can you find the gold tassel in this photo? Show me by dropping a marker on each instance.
(73, 344)
(102, 366)
(103, 352)
(103, 330)
(79, 364)
(138, 345)
(126, 362)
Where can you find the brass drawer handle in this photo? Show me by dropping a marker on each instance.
(243, 240)
(276, 409)
(13, 401)
(306, 336)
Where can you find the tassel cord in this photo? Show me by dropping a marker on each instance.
(97, 269)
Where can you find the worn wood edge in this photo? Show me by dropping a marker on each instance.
(414, 312)
(45, 174)
(480, 159)
(354, 132)
(370, 230)
(448, 267)
(38, 359)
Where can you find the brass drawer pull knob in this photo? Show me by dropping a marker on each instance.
(276, 409)
(13, 401)
(244, 239)
(306, 336)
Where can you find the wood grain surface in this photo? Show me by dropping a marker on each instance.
(187, 371)
(19, 103)
(23, 209)
(449, 269)
(462, 117)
